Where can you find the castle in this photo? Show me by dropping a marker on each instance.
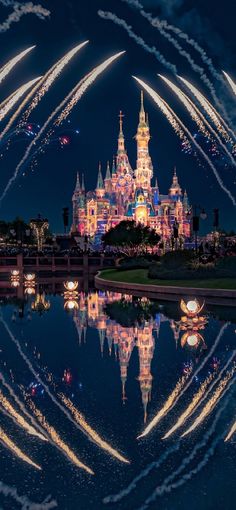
(126, 194)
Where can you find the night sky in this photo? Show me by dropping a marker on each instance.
(50, 186)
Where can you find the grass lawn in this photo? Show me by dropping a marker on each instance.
(141, 276)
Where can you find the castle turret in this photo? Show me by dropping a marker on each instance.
(175, 190)
(107, 181)
(144, 170)
(100, 189)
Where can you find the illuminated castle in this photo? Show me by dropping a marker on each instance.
(126, 194)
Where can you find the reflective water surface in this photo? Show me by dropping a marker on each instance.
(111, 401)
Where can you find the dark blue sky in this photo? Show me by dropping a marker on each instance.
(50, 186)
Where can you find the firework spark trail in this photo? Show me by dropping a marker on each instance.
(25, 503)
(92, 434)
(189, 381)
(5, 70)
(40, 89)
(61, 445)
(20, 10)
(10, 102)
(231, 432)
(167, 406)
(198, 117)
(150, 49)
(231, 82)
(196, 399)
(21, 405)
(193, 406)
(6, 441)
(74, 96)
(157, 23)
(210, 405)
(157, 99)
(215, 117)
(49, 78)
(167, 486)
(18, 418)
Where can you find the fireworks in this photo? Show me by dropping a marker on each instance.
(21, 10)
(231, 82)
(89, 431)
(5, 70)
(231, 432)
(196, 399)
(215, 117)
(14, 448)
(175, 120)
(217, 395)
(73, 97)
(18, 418)
(10, 102)
(41, 88)
(57, 440)
(167, 406)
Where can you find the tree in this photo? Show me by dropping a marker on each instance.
(131, 238)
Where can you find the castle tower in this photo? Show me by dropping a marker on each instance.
(107, 181)
(100, 189)
(144, 170)
(175, 191)
(145, 344)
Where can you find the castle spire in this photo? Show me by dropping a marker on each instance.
(121, 139)
(108, 172)
(100, 184)
(77, 186)
(175, 189)
(113, 171)
(142, 114)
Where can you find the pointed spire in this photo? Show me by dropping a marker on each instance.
(77, 187)
(142, 115)
(113, 171)
(121, 116)
(108, 172)
(100, 184)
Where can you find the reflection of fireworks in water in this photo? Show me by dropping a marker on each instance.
(20, 404)
(168, 405)
(74, 95)
(12, 446)
(5, 70)
(189, 381)
(198, 117)
(231, 82)
(8, 491)
(167, 486)
(196, 399)
(215, 117)
(18, 419)
(156, 98)
(210, 405)
(10, 102)
(231, 432)
(92, 434)
(57, 440)
(40, 89)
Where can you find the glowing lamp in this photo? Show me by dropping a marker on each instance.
(191, 308)
(15, 272)
(29, 277)
(71, 286)
(30, 291)
(71, 304)
(15, 283)
(192, 340)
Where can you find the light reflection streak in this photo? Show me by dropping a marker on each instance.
(6, 441)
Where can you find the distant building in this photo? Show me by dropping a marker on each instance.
(126, 194)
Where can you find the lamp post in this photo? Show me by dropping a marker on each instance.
(198, 213)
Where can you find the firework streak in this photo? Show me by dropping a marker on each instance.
(92, 434)
(18, 419)
(197, 116)
(189, 382)
(167, 486)
(159, 100)
(57, 441)
(210, 405)
(72, 100)
(203, 394)
(20, 10)
(6, 441)
(41, 88)
(231, 432)
(10, 102)
(21, 406)
(5, 70)
(215, 117)
(231, 82)
(26, 504)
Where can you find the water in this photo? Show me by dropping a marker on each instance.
(117, 359)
